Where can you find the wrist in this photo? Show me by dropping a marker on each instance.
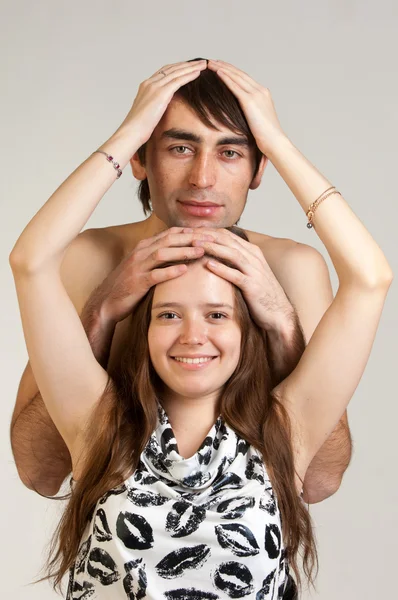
(282, 327)
(123, 144)
(278, 148)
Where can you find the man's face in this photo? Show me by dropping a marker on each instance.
(197, 176)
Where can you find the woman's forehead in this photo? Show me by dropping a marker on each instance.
(197, 286)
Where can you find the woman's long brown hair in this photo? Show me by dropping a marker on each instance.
(126, 416)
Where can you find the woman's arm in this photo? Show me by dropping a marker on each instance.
(321, 386)
(66, 371)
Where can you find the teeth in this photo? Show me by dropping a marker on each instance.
(193, 361)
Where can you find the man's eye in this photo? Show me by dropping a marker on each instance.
(180, 149)
(231, 153)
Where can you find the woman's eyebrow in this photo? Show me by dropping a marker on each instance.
(179, 305)
(188, 136)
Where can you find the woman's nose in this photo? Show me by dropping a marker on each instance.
(193, 333)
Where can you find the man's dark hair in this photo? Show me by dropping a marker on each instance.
(212, 101)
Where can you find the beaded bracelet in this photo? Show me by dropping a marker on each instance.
(312, 208)
(115, 164)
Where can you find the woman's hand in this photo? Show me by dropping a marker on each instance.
(256, 103)
(155, 93)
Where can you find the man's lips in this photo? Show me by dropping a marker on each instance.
(197, 203)
(199, 209)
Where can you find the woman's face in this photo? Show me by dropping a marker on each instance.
(194, 337)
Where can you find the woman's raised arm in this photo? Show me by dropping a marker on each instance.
(68, 376)
(319, 389)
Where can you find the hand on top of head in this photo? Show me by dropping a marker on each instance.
(154, 95)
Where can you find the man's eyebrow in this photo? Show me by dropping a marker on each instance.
(178, 305)
(188, 136)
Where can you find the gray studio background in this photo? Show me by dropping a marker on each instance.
(70, 71)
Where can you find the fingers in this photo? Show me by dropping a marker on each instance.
(233, 255)
(170, 72)
(175, 236)
(160, 275)
(236, 74)
(165, 255)
(227, 238)
(232, 275)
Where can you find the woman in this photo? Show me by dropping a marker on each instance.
(189, 460)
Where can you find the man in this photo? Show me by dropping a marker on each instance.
(196, 170)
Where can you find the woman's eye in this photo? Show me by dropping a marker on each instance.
(168, 315)
(217, 316)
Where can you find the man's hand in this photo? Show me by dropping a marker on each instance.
(250, 272)
(256, 103)
(139, 271)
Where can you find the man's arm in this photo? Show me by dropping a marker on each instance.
(41, 456)
(304, 276)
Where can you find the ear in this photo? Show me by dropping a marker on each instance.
(137, 167)
(258, 176)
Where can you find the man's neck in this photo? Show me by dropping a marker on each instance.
(152, 226)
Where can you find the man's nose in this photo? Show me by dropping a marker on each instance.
(203, 171)
(193, 333)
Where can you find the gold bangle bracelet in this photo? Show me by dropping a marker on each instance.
(312, 208)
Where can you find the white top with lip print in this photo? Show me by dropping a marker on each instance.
(202, 528)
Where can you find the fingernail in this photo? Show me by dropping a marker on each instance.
(211, 263)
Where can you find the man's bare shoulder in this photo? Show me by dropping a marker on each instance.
(93, 255)
(277, 249)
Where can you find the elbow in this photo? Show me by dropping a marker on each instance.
(313, 495)
(47, 488)
(377, 281)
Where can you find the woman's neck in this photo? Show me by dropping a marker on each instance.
(191, 421)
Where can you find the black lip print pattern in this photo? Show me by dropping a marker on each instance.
(235, 508)
(272, 540)
(197, 479)
(114, 492)
(255, 469)
(229, 481)
(179, 513)
(237, 538)
(134, 531)
(135, 581)
(176, 563)
(101, 528)
(205, 451)
(82, 555)
(190, 594)
(242, 446)
(156, 456)
(264, 592)
(142, 476)
(168, 442)
(225, 577)
(268, 504)
(101, 566)
(203, 528)
(221, 433)
(145, 498)
(82, 591)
